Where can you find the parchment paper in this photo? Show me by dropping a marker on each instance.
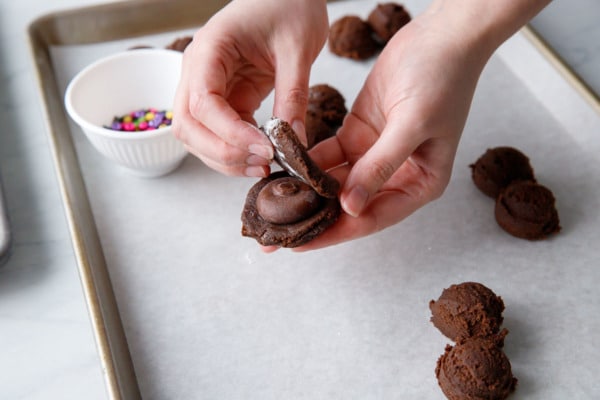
(208, 316)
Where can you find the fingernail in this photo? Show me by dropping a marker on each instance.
(261, 150)
(355, 201)
(256, 172)
(254, 160)
(300, 129)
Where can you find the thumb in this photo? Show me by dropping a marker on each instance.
(291, 93)
(375, 168)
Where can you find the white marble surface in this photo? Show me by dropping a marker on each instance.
(573, 28)
(46, 343)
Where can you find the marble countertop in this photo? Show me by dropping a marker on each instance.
(46, 342)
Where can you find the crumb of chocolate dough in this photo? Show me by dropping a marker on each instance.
(351, 37)
(387, 19)
(467, 309)
(325, 113)
(527, 210)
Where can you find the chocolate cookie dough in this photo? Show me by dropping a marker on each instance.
(292, 156)
(325, 113)
(498, 167)
(290, 208)
(351, 37)
(467, 309)
(387, 19)
(527, 210)
(476, 369)
(281, 210)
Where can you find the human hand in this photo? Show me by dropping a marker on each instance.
(395, 150)
(233, 63)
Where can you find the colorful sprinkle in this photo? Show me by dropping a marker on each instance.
(141, 120)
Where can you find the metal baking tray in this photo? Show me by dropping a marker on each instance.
(5, 234)
(97, 24)
(85, 26)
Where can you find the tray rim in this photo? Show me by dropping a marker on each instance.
(56, 28)
(5, 232)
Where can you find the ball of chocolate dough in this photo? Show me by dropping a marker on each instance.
(527, 210)
(467, 309)
(325, 113)
(180, 44)
(351, 37)
(499, 167)
(475, 369)
(387, 19)
(286, 200)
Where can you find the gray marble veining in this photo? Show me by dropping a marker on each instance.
(572, 27)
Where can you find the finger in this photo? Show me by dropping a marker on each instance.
(386, 209)
(353, 138)
(328, 153)
(376, 166)
(257, 171)
(291, 92)
(208, 103)
(219, 155)
(269, 249)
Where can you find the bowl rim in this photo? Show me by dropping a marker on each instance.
(101, 130)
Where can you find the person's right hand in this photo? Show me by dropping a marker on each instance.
(233, 63)
(395, 150)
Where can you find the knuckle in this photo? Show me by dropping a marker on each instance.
(227, 155)
(436, 191)
(178, 130)
(196, 104)
(381, 170)
(434, 186)
(297, 96)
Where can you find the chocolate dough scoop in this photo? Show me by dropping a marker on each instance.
(527, 210)
(498, 167)
(476, 369)
(325, 113)
(387, 19)
(467, 309)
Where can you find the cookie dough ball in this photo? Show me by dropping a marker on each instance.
(387, 19)
(498, 167)
(527, 210)
(180, 44)
(476, 369)
(351, 37)
(325, 113)
(467, 309)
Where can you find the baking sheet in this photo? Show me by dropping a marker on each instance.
(207, 315)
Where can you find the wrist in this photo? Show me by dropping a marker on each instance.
(483, 25)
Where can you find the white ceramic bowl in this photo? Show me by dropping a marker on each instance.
(117, 85)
